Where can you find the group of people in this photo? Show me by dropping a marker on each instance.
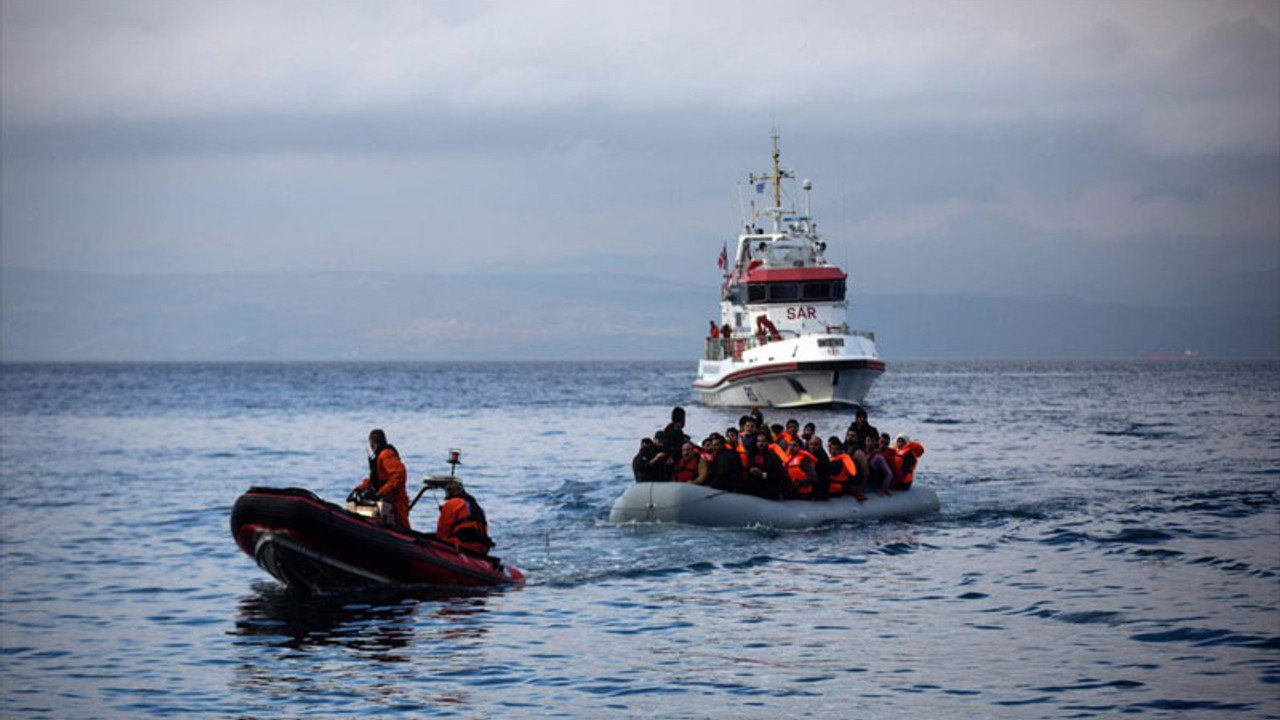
(461, 523)
(781, 462)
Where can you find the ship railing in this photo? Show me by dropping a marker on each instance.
(722, 348)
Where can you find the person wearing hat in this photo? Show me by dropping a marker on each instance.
(462, 521)
(909, 451)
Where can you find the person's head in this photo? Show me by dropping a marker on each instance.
(749, 426)
(777, 429)
(884, 441)
(453, 489)
(793, 426)
(688, 450)
(869, 443)
(647, 448)
(901, 441)
(809, 430)
(717, 442)
(851, 434)
(731, 436)
(377, 440)
(860, 417)
(677, 415)
(814, 444)
(834, 446)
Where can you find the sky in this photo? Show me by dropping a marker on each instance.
(1124, 152)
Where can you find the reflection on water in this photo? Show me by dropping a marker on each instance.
(373, 621)
(295, 646)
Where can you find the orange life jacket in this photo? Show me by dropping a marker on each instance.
(907, 457)
(742, 453)
(686, 469)
(781, 452)
(795, 470)
(847, 470)
(463, 522)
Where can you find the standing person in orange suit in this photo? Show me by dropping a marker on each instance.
(386, 477)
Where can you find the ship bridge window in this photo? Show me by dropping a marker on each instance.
(824, 290)
(784, 292)
(817, 290)
(781, 292)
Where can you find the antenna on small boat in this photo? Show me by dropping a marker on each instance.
(437, 482)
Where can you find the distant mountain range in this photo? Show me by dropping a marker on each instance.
(61, 316)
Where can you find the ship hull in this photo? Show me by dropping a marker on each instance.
(802, 372)
(792, 385)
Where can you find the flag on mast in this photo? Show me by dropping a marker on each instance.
(723, 262)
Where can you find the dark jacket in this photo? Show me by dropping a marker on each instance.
(727, 472)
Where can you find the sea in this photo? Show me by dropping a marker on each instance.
(1108, 545)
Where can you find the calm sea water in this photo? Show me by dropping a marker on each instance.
(1109, 543)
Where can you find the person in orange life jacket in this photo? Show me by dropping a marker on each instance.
(734, 443)
(747, 438)
(845, 478)
(727, 472)
(386, 479)
(792, 431)
(910, 451)
(462, 521)
(821, 469)
(650, 463)
(800, 472)
(686, 469)
(715, 330)
(861, 429)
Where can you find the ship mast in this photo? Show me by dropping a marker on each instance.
(776, 177)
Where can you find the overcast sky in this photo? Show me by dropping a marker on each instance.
(1126, 151)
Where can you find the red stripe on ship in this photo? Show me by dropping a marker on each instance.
(795, 367)
(793, 274)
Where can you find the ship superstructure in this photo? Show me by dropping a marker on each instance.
(783, 338)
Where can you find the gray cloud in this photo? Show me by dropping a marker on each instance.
(1127, 151)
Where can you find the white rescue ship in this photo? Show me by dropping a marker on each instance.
(784, 338)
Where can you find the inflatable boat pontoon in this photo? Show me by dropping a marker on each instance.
(685, 503)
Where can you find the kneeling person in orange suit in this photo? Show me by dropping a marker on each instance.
(462, 521)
